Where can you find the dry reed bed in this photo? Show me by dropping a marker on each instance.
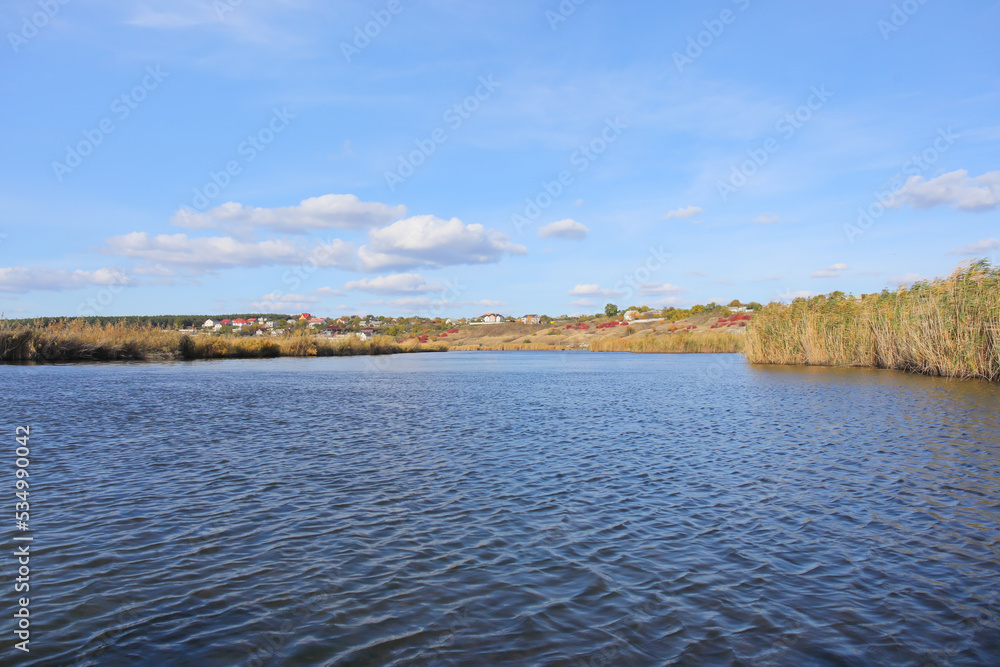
(948, 327)
(676, 343)
(78, 341)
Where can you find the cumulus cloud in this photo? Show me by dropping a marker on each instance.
(210, 253)
(18, 279)
(767, 219)
(400, 283)
(800, 294)
(326, 292)
(326, 212)
(426, 240)
(683, 213)
(906, 279)
(657, 289)
(955, 189)
(563, 229)
(430, 307)
(593, 290)
(281, 303)
(830, 271)
(977, 248)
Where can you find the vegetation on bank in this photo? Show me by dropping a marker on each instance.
(79, 341)
(711, 342)
(948, 327)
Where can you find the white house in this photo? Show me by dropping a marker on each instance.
(492, 318)
(208, 324)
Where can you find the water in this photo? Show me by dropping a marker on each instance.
(508, 508)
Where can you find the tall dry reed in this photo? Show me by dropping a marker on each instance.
(679, 343)
(79, 341)
(948, 327)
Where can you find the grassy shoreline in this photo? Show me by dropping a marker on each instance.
(948, 327)
(85, 342)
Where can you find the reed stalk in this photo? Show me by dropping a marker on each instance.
(947, 327)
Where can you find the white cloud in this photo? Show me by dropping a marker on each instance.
(701, 274)
(830, 271)
(800, 294)
(906, 279)
(583, 303)
(426, 240)
(657, 289)
(18, 279)
(326, 292)
(563, 229)
(429, 307)
(683, 213)
(767, 279)
(326, 212)
(400, 283)
(209, 253)
(977, 248)
(593, 290)
(767, 219)
(283, 303)
(954, 189)
(670, 301)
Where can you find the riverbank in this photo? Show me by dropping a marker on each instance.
(948, 327)
(86, 342)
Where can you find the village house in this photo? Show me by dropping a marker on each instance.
(529, 319)
(493, 318)
(632, 315)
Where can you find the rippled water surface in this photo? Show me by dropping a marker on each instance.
(508, 508)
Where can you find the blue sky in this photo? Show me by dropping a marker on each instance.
(209, 156)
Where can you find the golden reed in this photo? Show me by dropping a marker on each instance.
(948, 327)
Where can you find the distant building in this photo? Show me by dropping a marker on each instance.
(208, 324)
(632, 315)
(529, 319)
(493, 318)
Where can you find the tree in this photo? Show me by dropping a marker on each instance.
(735, 303)
(611, 310)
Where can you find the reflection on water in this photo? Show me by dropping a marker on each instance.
(510, 508)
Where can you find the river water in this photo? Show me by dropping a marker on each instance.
(507, 508)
